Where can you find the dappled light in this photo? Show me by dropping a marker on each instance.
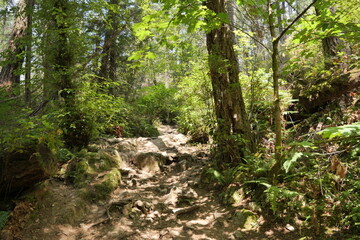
(170, 119)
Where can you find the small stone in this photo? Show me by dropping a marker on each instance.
(289, 227)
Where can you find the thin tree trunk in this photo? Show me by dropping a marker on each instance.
(277, 111)
(276, 73)
(229, 104)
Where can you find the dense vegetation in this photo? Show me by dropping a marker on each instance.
(272, 85)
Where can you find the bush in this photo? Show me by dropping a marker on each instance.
(158, 103)
(195, 113)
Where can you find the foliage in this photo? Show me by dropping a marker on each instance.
(158, 103)
(341, 131)
(333, 182)
(4, 216)
(196, 109)
(28, 131)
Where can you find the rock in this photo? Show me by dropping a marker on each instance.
(182, 157)
(188, 195)
(246, 219)
(111, 158)
(237, 197)
(102, 190)
(182, 166)
(289, 227)
(149, 162)
(126, 146)
(24, 167)
(114, 140)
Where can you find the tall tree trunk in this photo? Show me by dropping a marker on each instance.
(59, 83)
(277, 110)
(9, 74)
(229, 104)
(29, 12)
(109, 59)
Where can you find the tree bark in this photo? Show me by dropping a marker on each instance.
(275, 169)
(230, 109)
(59, 83)
(277, 110)
(109, 59)
(29, 12)
(9, 74)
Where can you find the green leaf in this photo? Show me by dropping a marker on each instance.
(287, 164)
(341, 131)
(224, 17)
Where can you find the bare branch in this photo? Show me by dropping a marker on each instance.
(294, 21)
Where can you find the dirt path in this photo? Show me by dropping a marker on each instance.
(149, 204)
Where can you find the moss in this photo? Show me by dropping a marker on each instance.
(79, 173)
(102, 160)
(246, 219)
(108, 160)
(73, 212)
(102, 190)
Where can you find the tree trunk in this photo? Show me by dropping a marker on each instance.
(29, 11)
(109, 59)
(329, 44)
(230, 110)
(277, 110)
(59, 82)
(9, 74)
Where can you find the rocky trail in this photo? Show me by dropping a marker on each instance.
(160, 197)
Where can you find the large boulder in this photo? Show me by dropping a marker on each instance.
(24, 168)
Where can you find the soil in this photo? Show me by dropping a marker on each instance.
(166, 204)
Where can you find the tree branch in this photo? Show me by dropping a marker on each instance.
(294, 21)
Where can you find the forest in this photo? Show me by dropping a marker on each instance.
(179, 119)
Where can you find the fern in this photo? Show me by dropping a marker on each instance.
(276, 194)
(4, 215)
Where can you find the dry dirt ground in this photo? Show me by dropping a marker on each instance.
(148, 204)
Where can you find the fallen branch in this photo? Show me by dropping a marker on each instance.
(179, 211)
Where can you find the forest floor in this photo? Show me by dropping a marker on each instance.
(149, 204)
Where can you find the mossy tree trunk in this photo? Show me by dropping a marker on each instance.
(233, 129)
(277, 110)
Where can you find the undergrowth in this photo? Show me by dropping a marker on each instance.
(318, 188)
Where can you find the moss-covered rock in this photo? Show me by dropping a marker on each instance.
(246, 219)
(103, 189)
(110, 160)
(79, 172)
